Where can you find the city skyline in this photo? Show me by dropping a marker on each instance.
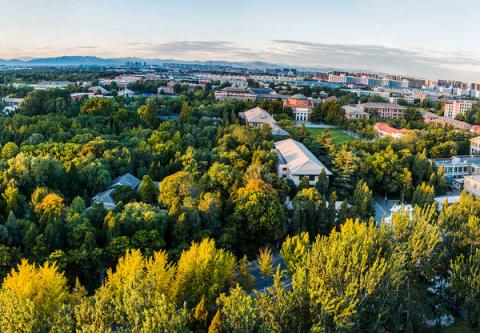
(383, 36)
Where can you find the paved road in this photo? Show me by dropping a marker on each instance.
(260, 283)
(312, 125)
(382, 208)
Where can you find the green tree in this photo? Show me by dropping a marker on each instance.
(14, 201)
(406, 184)
(322, 183)
(344, 270)
(186, 112)
(265, 265)
(239, 313)
(245, 278)
(362, 201)
(307, 212)
(137, 296)
(148, 191)
(424, 195)
(98, 107)
(9, 150)
(261, 213)
(465, 285)
(412, 266)
(284, 311)
(345, 167)
(295, 251)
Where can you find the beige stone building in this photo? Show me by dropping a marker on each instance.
(472, 185)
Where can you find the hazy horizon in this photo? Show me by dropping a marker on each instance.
(431, 39)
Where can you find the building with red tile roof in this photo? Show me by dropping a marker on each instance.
(301, 106)
(475, 129)
(385, 130)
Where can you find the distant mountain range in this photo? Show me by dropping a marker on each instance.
(98, 61)
(64, 61)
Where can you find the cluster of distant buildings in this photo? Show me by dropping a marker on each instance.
(368, 80)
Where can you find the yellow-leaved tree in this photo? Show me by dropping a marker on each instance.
(35, 299)
(204, 271)
(136, 297)
(344, 270)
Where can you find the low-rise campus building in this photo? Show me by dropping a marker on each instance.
(295, 162)
(384, 130)
(301, 106)
(472, 185)
(458, 167)
(384, 110)
(434, 119)
(475, 146)
(11, 105)
(353, 112)
(230, 93)
(258, 117)
(105, 198)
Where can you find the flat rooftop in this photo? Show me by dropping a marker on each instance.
(457, 160)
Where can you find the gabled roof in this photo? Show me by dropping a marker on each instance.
(105, 198)
(386, 128)
(475, 129)
(278, 131)
(299, 159)
(126, 180)
(258, 115)
(374, 105)
(299, 97)
(99, 88)
(235, 90)
(295, 103)
(261, 91)
(126, 92)
(353, 109)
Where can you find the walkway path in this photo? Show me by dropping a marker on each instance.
(260, 283)
(382, 208)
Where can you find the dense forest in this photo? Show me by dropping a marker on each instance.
(178, 254)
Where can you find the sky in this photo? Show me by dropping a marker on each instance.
(423, 38)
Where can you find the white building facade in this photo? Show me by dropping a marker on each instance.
(296, 162)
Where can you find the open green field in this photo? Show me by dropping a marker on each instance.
(339, 138)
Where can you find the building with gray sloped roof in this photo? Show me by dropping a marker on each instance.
(105, 198)
(257, 117)
(295, 162)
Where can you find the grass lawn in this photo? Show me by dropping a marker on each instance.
(339, 138)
